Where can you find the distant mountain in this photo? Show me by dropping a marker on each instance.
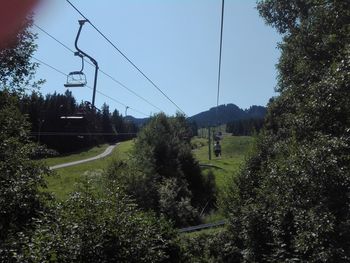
(223, 114)
(227, 113)
(137, 121)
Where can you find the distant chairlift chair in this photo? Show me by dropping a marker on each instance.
(76, 78)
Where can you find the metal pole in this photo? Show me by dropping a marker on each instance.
(81, 23)
(40, 125)
(209, 143)
(95, 84)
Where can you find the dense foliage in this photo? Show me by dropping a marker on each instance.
(245, 127)
(209, 247)
(21, 203)
(163, 175)
(96, 225)
(291, 202)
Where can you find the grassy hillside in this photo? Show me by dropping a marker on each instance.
(234, 150)
(84, 154)
(61, 183)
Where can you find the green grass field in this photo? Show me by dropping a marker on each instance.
(84, 154)
(234, 151)
(62, 182)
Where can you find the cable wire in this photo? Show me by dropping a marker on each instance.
(100, 70)
(79, 133)
(220, 53)
(105, 95)
(130, 90)
(132, 63)
(55, 69)
(115, 100)
(61, 43)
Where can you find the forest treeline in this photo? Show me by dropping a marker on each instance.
(227, 114)
(62, 124)
(245, 127)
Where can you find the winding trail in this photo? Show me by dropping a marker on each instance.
(107, 152)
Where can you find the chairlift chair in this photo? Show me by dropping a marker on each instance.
(78, 78)
(75, 79)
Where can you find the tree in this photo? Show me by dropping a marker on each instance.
(21, 202)
(291, 200)
(16, 69)
(106, 122)
(163, 175)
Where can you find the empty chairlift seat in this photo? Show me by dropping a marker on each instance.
(75, 79)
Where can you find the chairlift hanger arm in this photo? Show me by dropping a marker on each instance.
(81, 23)
(77, 53)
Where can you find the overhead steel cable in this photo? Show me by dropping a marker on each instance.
(220, 53)
(105, 95)
(129, 60)
(130, 90)
(55, 69)
(103, 72)
(61, 43)
(79, 133)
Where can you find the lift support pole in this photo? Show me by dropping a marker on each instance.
(209, 142)
(80, 52)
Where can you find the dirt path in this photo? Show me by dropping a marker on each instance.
(107, 152)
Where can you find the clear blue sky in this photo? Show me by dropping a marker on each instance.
(175, 42)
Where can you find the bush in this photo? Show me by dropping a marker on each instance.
(40, 152)
(210, 246)
(95, 226)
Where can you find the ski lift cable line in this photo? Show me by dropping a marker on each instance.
(80, 133)
(101, 93)
(107, 96)
(103, 72)
(55, 69)
(220, 52)
(132, 63)
(130, 90)
(58, 41)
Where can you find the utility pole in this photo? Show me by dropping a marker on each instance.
(209, 142)
(126, 109)
(40, 125)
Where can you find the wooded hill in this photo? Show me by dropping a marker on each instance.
(223, 115)
(227, 113)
